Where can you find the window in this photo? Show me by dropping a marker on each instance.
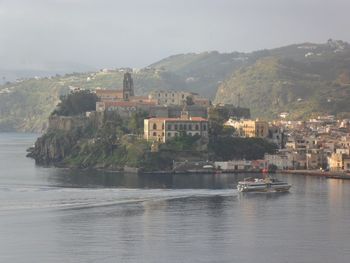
(190, 126)
(185, 127)
(169, 126)
(169, 134)
(183, 96)
(181, 127)
(154, 134)
(197, 127)
(175, 127)
(197, 133)
(173, 94)
(154, 126)
(158, 94)
(162, 126)
(166, 94)
(204, 127)
(190, 133)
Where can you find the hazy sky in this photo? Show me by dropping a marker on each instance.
(135, 33)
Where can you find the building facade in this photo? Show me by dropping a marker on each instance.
(172, 97)
(250, 128)
(339, 162)
(124, 94)
(163, 129)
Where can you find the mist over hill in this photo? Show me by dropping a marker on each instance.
(301, 79)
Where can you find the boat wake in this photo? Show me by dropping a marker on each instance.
(29, 198)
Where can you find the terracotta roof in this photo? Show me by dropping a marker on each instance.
(126, 103)
(106, 91)
(179, 119)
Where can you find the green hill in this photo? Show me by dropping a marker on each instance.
(203, 72)
(26, 105)
(300, 79)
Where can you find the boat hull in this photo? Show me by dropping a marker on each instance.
(263, 187)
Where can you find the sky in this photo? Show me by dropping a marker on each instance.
(40, 34)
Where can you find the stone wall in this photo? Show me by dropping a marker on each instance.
(68, 123)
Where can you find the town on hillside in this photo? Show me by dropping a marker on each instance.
(321, 144)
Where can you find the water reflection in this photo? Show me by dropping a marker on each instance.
(91, 178)
(166, 218)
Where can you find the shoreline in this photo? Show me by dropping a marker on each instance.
(139, 171)
(330, 174)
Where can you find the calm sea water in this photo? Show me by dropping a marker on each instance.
(55, 215)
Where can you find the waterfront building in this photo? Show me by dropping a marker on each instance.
(281, 161)
(339, 162)
(242, 165)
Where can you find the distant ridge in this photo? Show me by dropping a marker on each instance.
(301, 79)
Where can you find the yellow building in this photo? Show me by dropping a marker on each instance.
(339, 162)
(162, 129)
(250, 128)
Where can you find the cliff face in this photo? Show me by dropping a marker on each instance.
(62, 135)
(52, 148)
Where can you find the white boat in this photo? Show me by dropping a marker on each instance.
(262, 185)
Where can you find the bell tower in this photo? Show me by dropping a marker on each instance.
(128, 86)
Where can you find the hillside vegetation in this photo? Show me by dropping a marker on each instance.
(302, 79)
(25, 105)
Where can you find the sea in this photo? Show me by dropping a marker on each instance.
(59, 215)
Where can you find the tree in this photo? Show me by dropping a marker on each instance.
(76, 103)
(217, 118)
(136, 122)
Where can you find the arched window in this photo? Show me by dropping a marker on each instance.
(190, 126)
(154, 134)
(154, 126)
(190, 133)
(197, 127)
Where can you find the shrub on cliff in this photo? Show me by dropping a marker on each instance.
(231, 148)
(76, 103)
